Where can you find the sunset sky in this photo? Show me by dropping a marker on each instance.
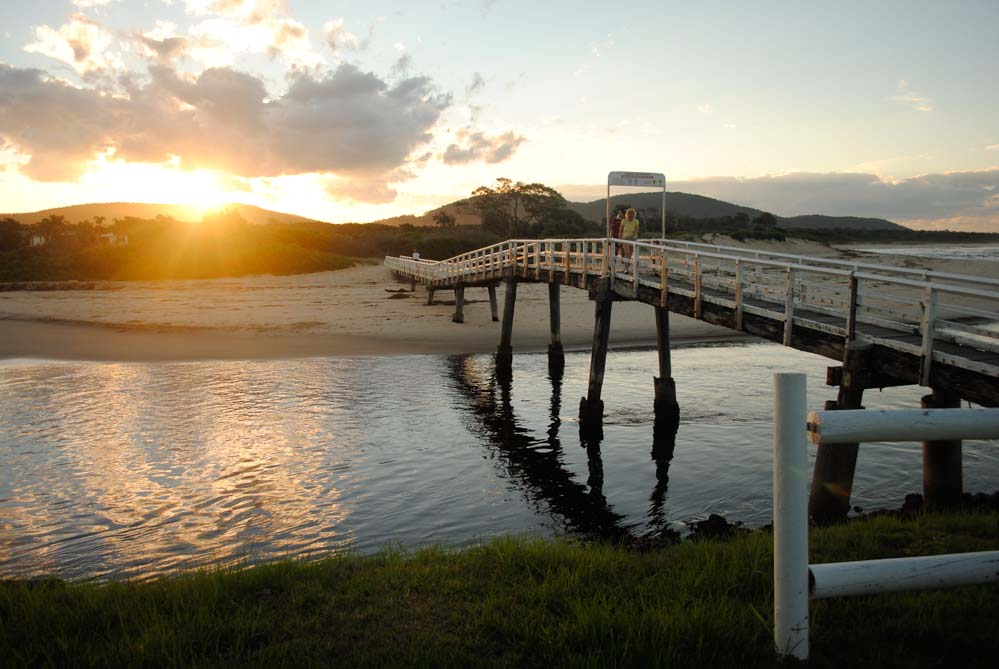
(362, 110)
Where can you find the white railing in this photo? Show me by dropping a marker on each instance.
(795, 580)
(920, 313)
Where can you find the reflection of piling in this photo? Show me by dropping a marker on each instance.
(592, 406)
(504, 355)
(663, 445)
(665, 398)
(556, 355)
(430, 296)
(835, 464)
(492, 303)
(942, 483)
(459, 304)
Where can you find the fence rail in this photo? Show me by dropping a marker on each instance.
(795, 581)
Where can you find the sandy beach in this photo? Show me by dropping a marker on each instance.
(348, 312)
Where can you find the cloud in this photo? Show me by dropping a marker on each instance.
(706, 109)
(921, 200)
(361, 190)
(227, 28)
(948, 200)
(87, 4)
(402, 65)
(163, 44)
(476, 146)
(349, 123)
(992, 147)
(82, 43)
(475, 85)
(916, 101)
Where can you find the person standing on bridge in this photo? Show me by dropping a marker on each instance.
(615, 229)
(629, 231)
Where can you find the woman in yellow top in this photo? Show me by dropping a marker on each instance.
(629, 231)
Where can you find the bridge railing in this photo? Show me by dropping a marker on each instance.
(911, 311)
(795, 580)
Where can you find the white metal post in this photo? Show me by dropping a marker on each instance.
(790, 516)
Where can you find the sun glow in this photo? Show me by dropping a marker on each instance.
(201, 190)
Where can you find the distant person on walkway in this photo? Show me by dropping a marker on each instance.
(416, 254)
(629, 231)
(615, 228)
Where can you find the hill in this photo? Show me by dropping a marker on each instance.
(681, 204)
(698, 206)
(818, 221)
(179, 212)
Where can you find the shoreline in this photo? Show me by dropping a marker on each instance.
(90, 342)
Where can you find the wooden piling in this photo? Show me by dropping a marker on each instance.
(942, 476)
(504, 355)
(492, 303)
(412, 285)
(592, 406)
(835, 464)
(459, 304)
(666, 406)
(430, 296)
(555, 351)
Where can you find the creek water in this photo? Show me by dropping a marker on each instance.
(112, 470)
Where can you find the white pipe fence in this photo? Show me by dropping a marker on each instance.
(795, 581)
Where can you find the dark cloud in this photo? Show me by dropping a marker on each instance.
(925, 198)
(349, 122)
(476, 146)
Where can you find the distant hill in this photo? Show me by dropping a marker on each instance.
(682, 204)
(698, 206)
(112, 210)
(817, 221)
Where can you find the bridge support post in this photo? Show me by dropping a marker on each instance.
(556, 354)
(430, 296)
(942, 477)
(666, 405)
(412, 285)
(492, 303)
(835, 464)
(459, 304)
(504, 355)
(591, 407)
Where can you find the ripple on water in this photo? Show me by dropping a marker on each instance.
(140, 469)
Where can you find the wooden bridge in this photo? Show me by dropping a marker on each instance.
(887, 325)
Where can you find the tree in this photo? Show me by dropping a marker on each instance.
(741, 218)
(10, 235)
(444, 220)
(509, 208)
(766, 219)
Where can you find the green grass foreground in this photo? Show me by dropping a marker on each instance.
(514, 603)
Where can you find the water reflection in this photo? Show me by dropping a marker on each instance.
(535, 464)
(538, 464)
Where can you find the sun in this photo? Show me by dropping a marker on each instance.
(201, 190)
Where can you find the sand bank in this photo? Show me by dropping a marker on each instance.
(349, 312)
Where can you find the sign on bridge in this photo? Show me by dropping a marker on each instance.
(642, 180)
(652, 179)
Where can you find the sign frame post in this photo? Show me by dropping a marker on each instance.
(653, 179)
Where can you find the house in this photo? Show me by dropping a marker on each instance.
(36, 240)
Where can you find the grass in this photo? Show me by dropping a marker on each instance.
(513, 603)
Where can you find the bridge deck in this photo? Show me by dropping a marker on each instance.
(928, 328)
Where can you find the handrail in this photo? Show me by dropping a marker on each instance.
(847, 263)
(785, 287)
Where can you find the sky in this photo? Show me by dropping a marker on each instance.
(355, 111)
